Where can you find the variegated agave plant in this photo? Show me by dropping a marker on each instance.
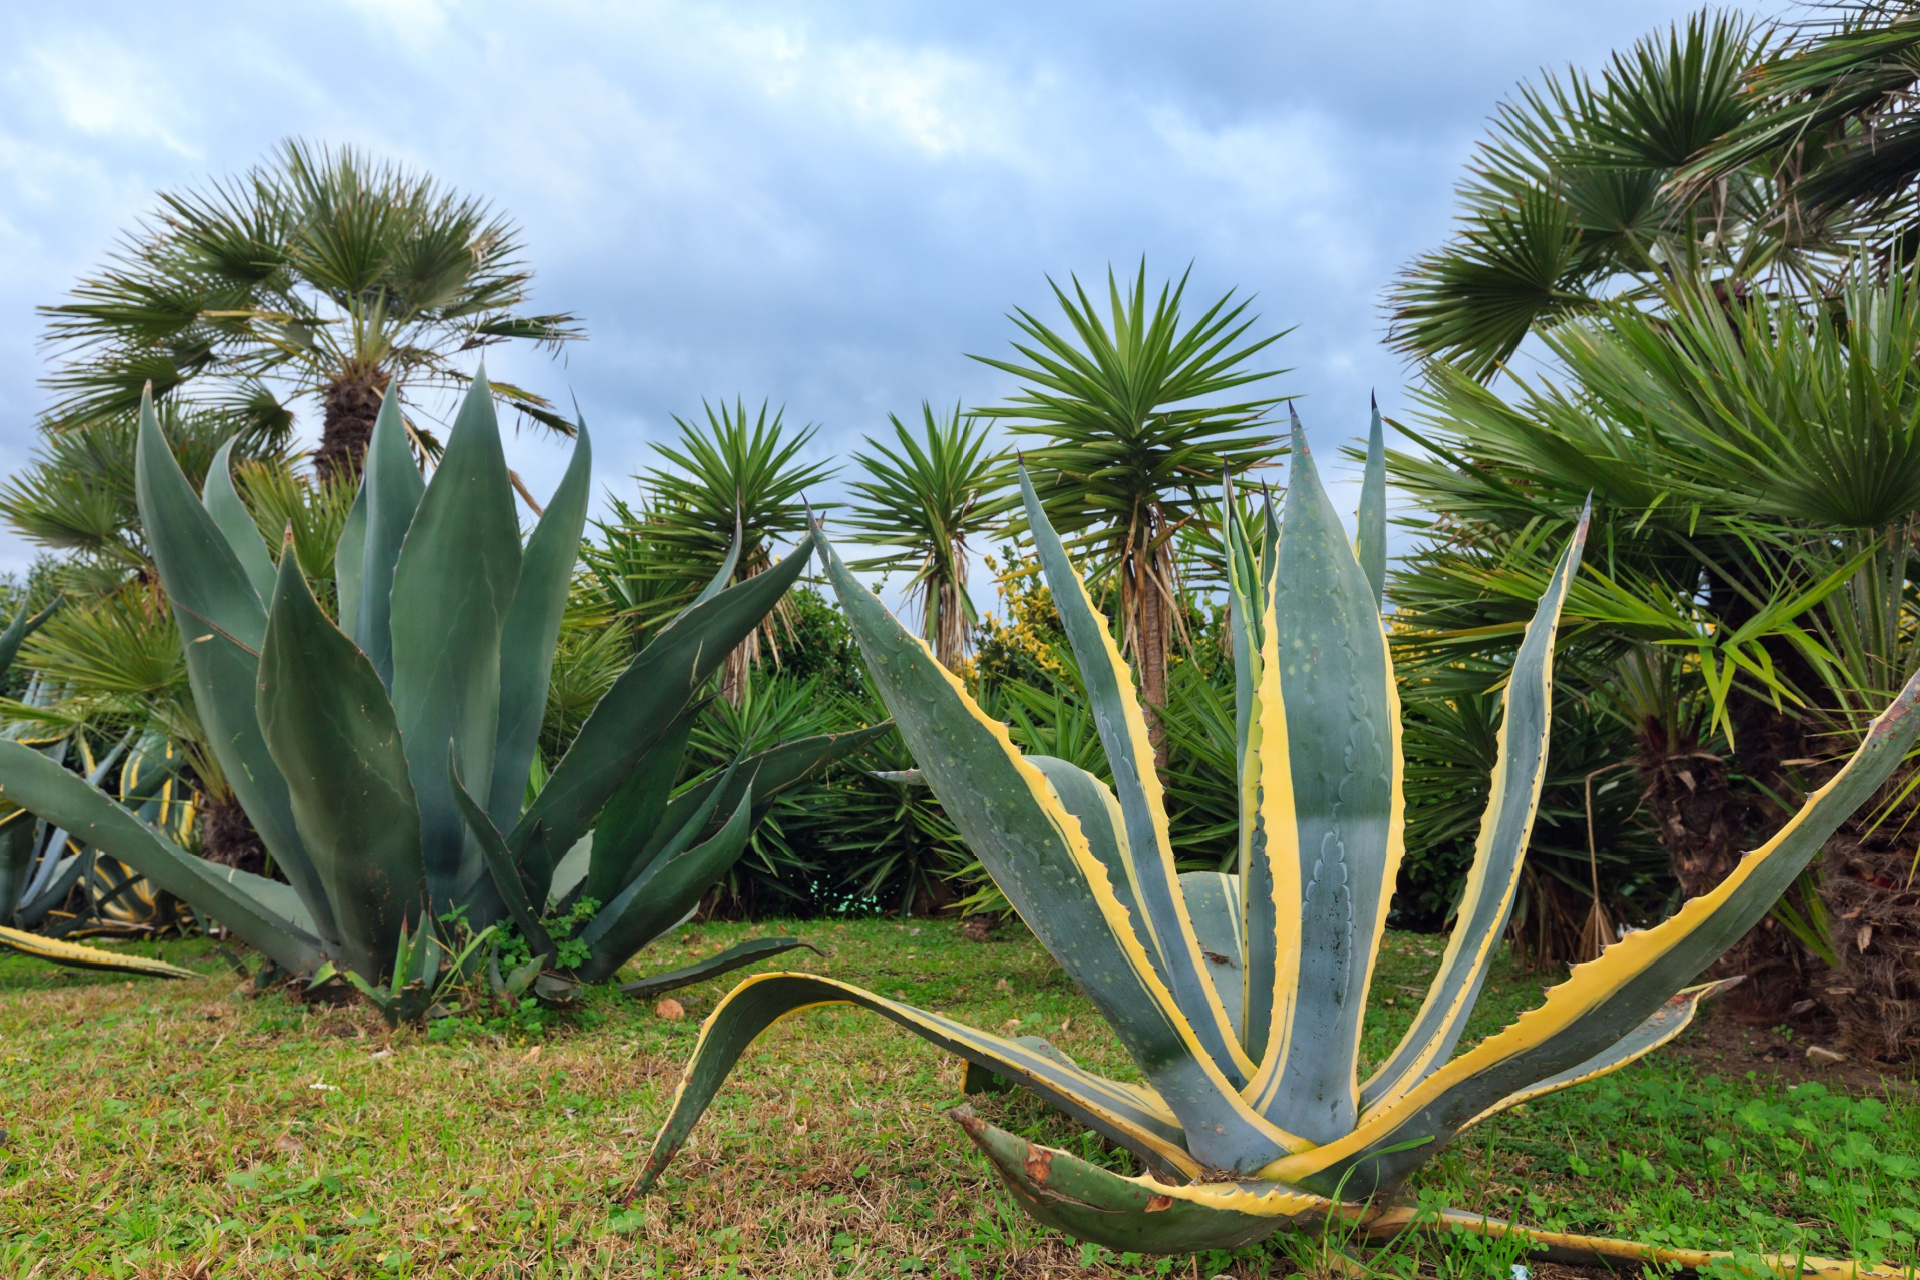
(384, 756)
(1254, 1115)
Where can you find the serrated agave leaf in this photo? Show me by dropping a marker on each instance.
(507, 880)
(1213, 900)
(224, 504)
(74, 956)
(1343, 731)
(1118, 1113)
(63, 799)
(653, 689)
(1605, 999)
(1137, 1215)
(1101, 822)
(1666, 1022)
(1270, 897)
(1499, 851)
(452, 587)
(222, 622)
(533, 628)
(1370, 544)
(389, 498)
(1038, 854)
(737, 956)
(1245, 608)
(661, 896)
(333, 733)
(349, 562)
(778, 768)
(1162, 915)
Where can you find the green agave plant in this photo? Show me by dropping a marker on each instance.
(384, 757)
(1240, 996)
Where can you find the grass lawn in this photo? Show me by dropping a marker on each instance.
(191, 1129)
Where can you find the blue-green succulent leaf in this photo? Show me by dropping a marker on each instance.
(224, 504)
(452, 588)
(533, 628)
(332, 731)
(222, 623)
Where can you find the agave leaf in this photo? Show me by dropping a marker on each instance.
(635, 824)
(1162, 913)
(1507, 825)
(74, 956)
(642, 704)
(452, 587)
(1037, 853)
(1343, 732)
(1607, 998)
(223, 503)
(737, 956)
(1666, 1022)
(770, 772)
(1133, 1214)
(333, 733)
(682, 829)
(533, 628)
(1245, 608)
(222, 623)
(349, 562)
(276, 897)
(1116, 1112)
(19, 841)
(19, 629)
(1213, 901)
(63, 799)
(1270, 899)
(389, 497)
(723, 575)
(1605, 1252)
(500, 865)
(1370, 545)
(1101, 822)
(660, 897)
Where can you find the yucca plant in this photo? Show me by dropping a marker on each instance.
(1240, 995)
(384, 757)
(923, 501)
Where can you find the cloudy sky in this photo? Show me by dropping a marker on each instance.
(826, 205)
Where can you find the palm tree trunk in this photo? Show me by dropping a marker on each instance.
(947, 621)
(227, 835)
(1702, 821)
(350, 405)
(1152, 628)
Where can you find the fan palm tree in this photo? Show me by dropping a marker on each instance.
(734, 482)
(1572, 200)
(925, 500)
(320, 273)
(1756, 482)
(1835, 121)
(1131, 423)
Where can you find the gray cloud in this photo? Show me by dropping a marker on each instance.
(827, 207)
